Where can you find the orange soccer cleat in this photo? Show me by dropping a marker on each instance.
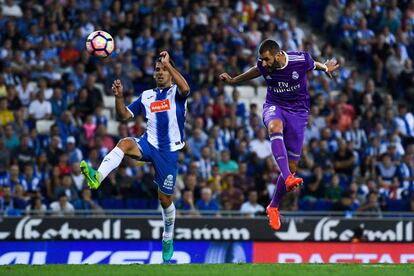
(274, 219)
(292, 182)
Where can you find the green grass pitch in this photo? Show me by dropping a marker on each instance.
(211, 269)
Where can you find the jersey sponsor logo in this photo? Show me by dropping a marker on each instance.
(295, 75)
(169, 182)
(160, 106)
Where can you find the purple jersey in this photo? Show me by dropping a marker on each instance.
(287, 86)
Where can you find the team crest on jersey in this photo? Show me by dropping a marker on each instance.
(160, 106)
(295, 75)
(169, 182)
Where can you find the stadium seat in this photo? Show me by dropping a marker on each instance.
(398, 205)
(153, 203)
(323, 205)
(109, 101)
(107, 112)
(113, 127)
(305, 205)
(247, 92)
(43, 126)
(112, 203)
(137, 203)
(228, 91)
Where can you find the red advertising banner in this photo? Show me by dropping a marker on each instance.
(310, 252)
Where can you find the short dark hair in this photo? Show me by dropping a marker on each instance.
(269, 45)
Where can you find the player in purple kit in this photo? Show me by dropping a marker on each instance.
(285, 111)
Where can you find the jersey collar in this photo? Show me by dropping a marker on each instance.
(287, 61)
(158, 90)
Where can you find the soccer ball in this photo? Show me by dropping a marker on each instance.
(100, 44)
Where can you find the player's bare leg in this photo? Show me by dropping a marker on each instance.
(286, 181)
(168, 216)
(94, 178)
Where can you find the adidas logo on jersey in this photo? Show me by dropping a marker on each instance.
(268, 77)
(160, 106)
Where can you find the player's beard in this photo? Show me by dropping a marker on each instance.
(273, 66)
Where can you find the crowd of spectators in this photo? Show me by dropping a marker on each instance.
(358, 152)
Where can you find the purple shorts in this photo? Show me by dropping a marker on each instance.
(294, 125)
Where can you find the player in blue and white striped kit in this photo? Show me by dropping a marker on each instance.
(164, 109)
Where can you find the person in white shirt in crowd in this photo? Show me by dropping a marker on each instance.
(62, 206)
(405, 124)
(123, 42)
(251, 207)
(40, 108)
(77, 177)
(260, 145)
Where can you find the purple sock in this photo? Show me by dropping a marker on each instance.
(280, 191)
(280, 154)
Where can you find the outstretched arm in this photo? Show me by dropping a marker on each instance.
(177, 77)
(250, 74)
(121, 109)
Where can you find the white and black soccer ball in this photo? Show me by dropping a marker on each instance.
(100, 44)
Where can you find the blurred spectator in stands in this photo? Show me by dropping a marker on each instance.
(6, 115)
(261, 146)
(390, 21)
(23, 154)
(36, 207)
(230, 194)
(332, 15)
(77, 177)
(226, 165)
(206, 204)
(31, 184)
(251, 207)
(406, 173)
(125, 182)
(62, 206)
(333, 190)
(387, 176)
(242, 180)
(118, 73)
(186, 203)
(67, 188)
(345, 203)
(85, 202)
(344, 160)
(405, 124)
(205, 163)
(40, 108)
(9, 204)
(197, 142)
(371, 205)
(74, 153)
(314, 188)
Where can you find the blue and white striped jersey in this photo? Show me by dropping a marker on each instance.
(164, 111)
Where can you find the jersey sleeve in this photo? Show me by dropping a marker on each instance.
(309, 62)
(135, 107)
(180, 94)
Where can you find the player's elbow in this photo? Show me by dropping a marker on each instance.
(185, 90)
(125, 116)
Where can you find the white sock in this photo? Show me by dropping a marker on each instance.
(110, 162)
(168, 216)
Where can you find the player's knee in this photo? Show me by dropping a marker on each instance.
(275, 127)
(125, 144)
(165, 200)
